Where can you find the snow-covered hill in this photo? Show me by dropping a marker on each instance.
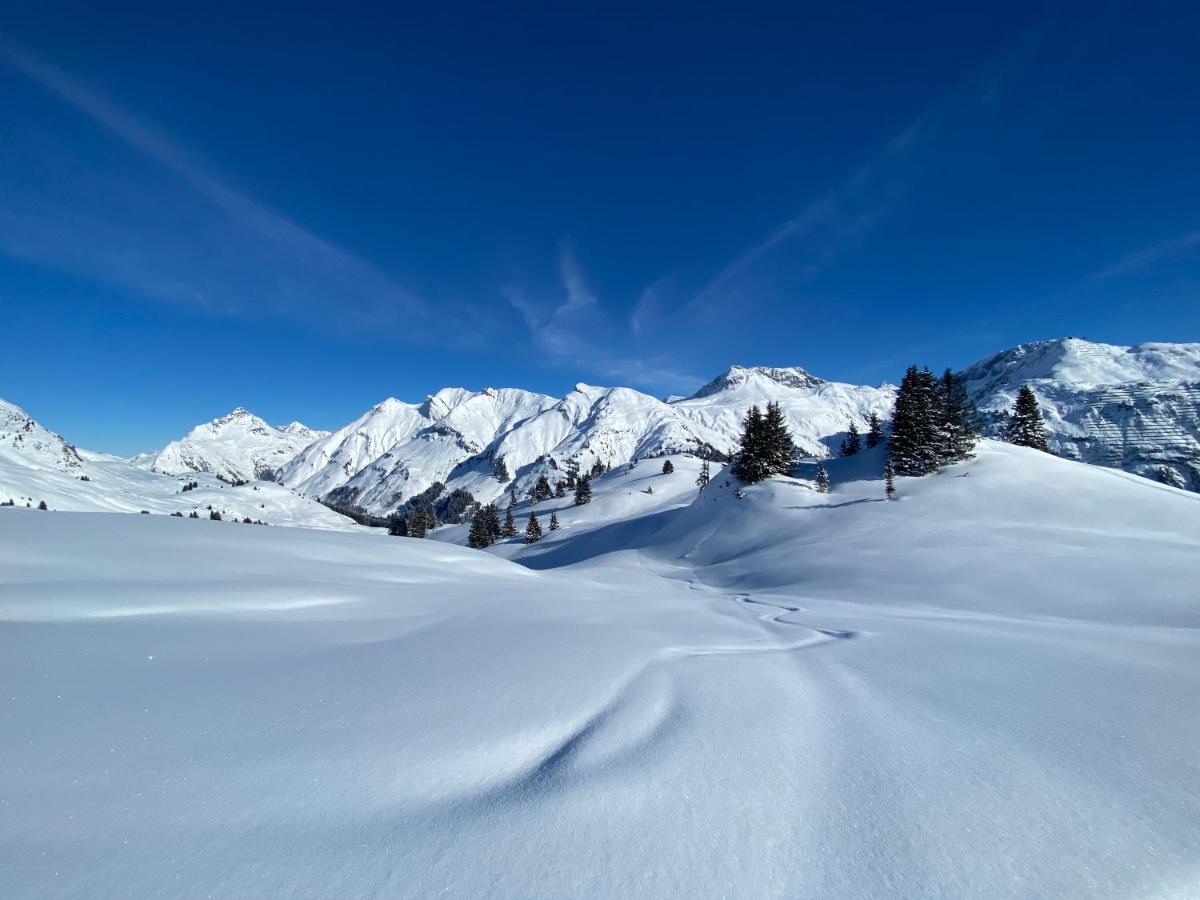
(237, 447)
(38, 466)
(1132, 408)
(982, 689)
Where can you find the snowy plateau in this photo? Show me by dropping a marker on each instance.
(984, 688)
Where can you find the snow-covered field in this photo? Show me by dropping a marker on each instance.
(986, 688)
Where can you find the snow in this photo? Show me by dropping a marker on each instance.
(396, 450)
(238, 447)
(37, 466)
(984, 688)
(1133, 408)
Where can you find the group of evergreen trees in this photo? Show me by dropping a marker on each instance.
(933, 423)
(583, 490)
(485, 527)
(766, 446)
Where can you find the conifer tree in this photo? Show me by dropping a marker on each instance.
(533, 530)
(480, 536)
(416, 524)
(874, 431)
(510, 527)
(668, 467)
(492, 517)
(397, 526)
(914, 446)
(779, 450)
(853, 442)
(583, 490)
(597, 469)
(822, 479)
(958, 428)
(500, 469)
(42, 505)
(541, 490)
(214, 515)
(749, 464)
(704, 477)
(554, 521)
(560, 488)
(889, 480)
(1026, 427)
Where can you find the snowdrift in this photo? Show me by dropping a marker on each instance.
(982, 689)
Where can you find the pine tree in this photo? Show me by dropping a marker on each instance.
(822, 479)
(42, 505)
(914, 446)
(1025, 425)
(510, 527)
(704, 477)
(668, 467)
(853, 442)
(397, 526)
(491, 515)
(480, 535)
(597, 469)
(214, 515)
(874, 431)
(500, 469)
(560, 489)
(779, 450)
(431, 521)
(416, 524)
(554, 521)
(889, 480)
(749, 463)
(541, 490)
(958, 428)
(583, 490)
(533, 530)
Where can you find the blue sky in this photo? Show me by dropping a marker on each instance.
(306, 211)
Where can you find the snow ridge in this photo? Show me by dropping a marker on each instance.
(1132, 408)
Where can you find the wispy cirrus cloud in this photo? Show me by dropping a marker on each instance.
(575, 332)
(1147, 256)
(196, 241)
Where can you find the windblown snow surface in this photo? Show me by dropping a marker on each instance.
(987, 688)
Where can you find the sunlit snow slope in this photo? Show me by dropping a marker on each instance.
(982, 689)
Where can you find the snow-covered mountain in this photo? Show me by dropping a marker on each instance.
(236, 447)
(488, 441)
(37, 465)
(1132, 408)
(23, 441)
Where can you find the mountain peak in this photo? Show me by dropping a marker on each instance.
(738, 376)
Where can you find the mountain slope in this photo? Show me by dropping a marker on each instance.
(38, 466)
(468, 440)
(1132, 408)
(979, 690)
(236, 447)
(24, 442)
